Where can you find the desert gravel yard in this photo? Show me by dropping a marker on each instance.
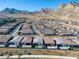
(18, 51)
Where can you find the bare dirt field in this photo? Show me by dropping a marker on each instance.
(21, 51)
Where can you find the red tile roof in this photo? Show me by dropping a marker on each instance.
(49, 40)
(27, 40)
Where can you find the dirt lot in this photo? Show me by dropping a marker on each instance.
(18, 51)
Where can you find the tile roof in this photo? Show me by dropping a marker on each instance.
(27, 40)
(49, 40)
(4, 38)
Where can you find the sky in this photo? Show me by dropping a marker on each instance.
(32, 5)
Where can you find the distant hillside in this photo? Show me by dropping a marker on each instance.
(71, 7)
(64, 11)
(10, 10)
(14, 11)
(69, 11)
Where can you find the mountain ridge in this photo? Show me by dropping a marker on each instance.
(64, 11)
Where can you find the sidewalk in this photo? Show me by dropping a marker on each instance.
(37, 56)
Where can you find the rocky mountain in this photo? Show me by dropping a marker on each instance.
(14, 11)
(64, 11)
(47, 10)
(10, 10)
(69, 11)
(71, 7)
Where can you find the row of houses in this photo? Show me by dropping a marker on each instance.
(38, 42)
(7, 28)
(55, 28)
